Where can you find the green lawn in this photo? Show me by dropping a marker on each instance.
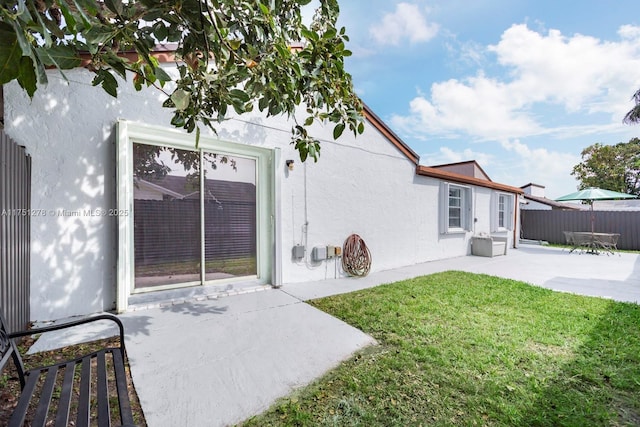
(463, 349)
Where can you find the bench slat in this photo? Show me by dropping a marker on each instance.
(84, 412)
(40, 418)
(102, 390)
(40, 385)
(20, 412)
(126, 417)
(62, 417)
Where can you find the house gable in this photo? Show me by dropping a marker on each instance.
(469, 168)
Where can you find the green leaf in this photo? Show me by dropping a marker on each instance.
(303, 153)
(160, 31)
(88, 5)
(308, 121)
(329, 34)
(238, 107)
(27, 77)
(114, 6)
(116, 63)
(239, 95)
(162, 75)
(40, 70)
(62, 56)
(10, 54)
(309, 35)
(22, 39)
(153, 15)
(69, 19)
(337, 130)
(263, 103)
(43, 31)
(107, 81)
(96, 36)
(110, 84)
(265, 9)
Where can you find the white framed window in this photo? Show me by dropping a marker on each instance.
(456, 208)
(191, 216)
(501, 211)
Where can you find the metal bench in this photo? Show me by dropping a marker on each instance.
(50, 391)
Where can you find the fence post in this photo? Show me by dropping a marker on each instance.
(15, 233)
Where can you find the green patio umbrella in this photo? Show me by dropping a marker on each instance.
(592, 193)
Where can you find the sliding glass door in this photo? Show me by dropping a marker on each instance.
(194, 216)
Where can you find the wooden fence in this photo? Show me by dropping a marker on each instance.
(15, 232)
(548, 225)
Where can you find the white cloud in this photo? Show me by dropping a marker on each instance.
(479, 106)
(577, 74)
(446, 155)
(581, 73)
(540, 165)
(407, 22)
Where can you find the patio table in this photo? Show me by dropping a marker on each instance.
(591, 242)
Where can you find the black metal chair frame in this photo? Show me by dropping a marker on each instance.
(99, 398)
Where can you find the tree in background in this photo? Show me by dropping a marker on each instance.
(612, 167)
(230, 55)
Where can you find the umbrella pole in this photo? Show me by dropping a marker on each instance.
(594, 250)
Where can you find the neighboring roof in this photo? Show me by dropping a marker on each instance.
(552, 203)
(434, 172)
(164, 52)
(617, 205)
(468, 168)
(222, 191)
(532, 184)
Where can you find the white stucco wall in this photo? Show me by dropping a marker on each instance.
(532, 205)
(363, 185)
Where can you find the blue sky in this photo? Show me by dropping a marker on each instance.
(522, 87)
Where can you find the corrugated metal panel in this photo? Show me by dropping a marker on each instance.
(15, 232)
(548, 225)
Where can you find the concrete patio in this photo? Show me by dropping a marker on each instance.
(216, 362)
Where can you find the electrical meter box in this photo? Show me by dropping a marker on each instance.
(297, 252)
(319, 253)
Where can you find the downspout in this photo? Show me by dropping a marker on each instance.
(516, 225)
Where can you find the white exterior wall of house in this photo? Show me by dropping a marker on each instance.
(362, 185)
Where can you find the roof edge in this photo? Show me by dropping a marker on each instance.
(550, 202)
(463, 179)
(389, 134)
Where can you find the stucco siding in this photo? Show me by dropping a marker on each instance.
(362, 185)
